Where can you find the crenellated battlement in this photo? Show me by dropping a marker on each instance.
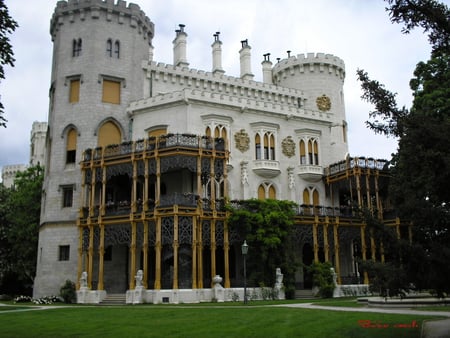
(71, 10)
(219, 82)
(311, 62)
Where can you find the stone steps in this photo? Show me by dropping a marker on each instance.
(114, 299)
(304, 294)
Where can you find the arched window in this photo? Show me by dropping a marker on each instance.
(117, 49)
(76, 47)
(302, 152)
(310, 199)
(71, 146)
(266, 190)
(109, 47)
(316, 152)
(313, 152)
(258, 146)
(268, 152)
(109, 133)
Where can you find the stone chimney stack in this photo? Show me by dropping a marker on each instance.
(267, 69)
(217, 55)
(179, 48)
(245, 57)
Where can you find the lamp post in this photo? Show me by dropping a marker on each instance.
(244, 249)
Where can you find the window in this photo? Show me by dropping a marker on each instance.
(64, 252)
(302, 152)
(117, 49)
(310, 194)
(67, 197)
(76, 47)
(268, 152)
(111, 91)
(266, 190)
(74, 91)
(109, 48)
(109, 133)
(313, 151)
(71, 149)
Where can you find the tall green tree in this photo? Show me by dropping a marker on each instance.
(20, 212)
(267, 226)
(7, 26)
(421, 166)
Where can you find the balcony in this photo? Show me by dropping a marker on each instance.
(266, 168)
(310, 173)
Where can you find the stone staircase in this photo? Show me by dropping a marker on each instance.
(304, 294)
(114, 299)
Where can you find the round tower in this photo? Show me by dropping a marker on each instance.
(321, 78)
(98, 47)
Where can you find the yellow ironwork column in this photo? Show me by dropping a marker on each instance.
(91, 255)
(101, 253)
(325, 239)
(315, 241)
(80, 256)
(158, 247)
(226, 250)
(145, 255)
(213, 249)
(337, 262)
(373, 247)
(194, 252)
(175, 248)
(133, 255)
(200, 255)
(363, 251)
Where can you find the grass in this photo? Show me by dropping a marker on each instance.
(212, 320)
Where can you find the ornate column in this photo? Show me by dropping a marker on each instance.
(337, 263)
(176, 245)
(325, 239)
(133, 255)
(90, 255)
(80, 256)
(373, 247)
(101, 253)
(194, 252)
(145, 255)
(363, 251)
(200, 255)
(213, 249)
(244, 179)
(158, 245)
(226, 251)
(315, 241)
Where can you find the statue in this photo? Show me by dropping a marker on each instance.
(83, 280)
(279, 278)
(334, 274)
(139, 277)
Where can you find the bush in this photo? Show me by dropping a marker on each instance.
(68, 292)
(323, 278)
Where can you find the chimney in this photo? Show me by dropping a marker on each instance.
(267, 69)
(217, 55)
(245, 57)
(179, 48)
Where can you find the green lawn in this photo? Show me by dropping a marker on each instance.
(210, 320)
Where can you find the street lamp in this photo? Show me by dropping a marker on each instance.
(244, 249)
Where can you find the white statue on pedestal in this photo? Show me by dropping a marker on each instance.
(83, 280)
(139, 278)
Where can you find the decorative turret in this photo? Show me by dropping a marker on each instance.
(179, 47)
(245, 58)
(217, 55)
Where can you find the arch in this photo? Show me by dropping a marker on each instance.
(76, 47)
(261, 192)
(117, 49)
(258, 147)
(302, 152)
(109, 132)
(109, 47)
(267, 190)
(208, 131)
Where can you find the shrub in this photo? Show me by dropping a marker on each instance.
(68, 293)
(323, 278)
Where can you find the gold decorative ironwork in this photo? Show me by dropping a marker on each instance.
(323, 103)
(242, 140)
(288, 146)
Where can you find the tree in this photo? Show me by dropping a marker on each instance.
(421, 166)
(267, 226)
(7, 26)
(20, 212)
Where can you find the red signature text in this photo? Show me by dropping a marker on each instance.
(370, 324)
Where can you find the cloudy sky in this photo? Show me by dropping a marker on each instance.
(357, 31)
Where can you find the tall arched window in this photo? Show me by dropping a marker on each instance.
(310, 199)
(302, 152)
(109, 47)
(109, 133)
(258, 146)
(268, 152)
(71, 146)
(266, 190)
(76, 47)
(117, 49)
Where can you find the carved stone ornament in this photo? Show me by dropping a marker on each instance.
(242, 140)
(288, 146)
(323, 103)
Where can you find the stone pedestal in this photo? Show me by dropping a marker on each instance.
(218, 290)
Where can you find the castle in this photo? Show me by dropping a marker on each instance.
(142, 156)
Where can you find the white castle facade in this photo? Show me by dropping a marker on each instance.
(141, 156)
